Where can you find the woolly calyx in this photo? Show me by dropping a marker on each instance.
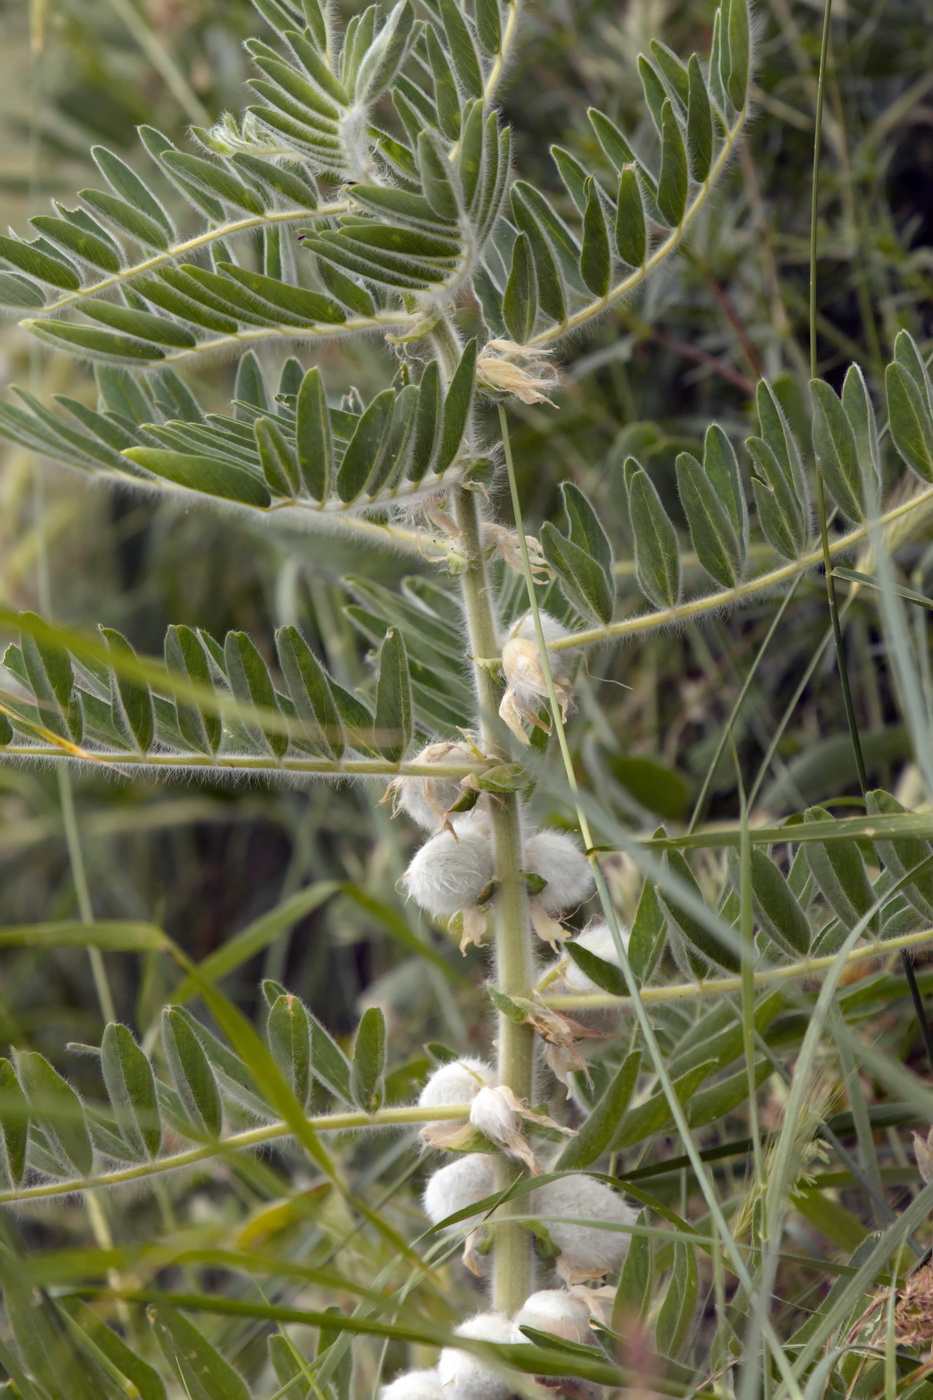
(458, 1185)
(556, 858)
(413, 1385)
(558, 1312)
(457, 1082)
(586, 1251)
(466, 1377)
(449, 874)
(429, 802)
(525, 680)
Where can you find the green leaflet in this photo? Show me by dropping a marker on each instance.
(838, 869)
(519, 304)
(657, 557)
(278, 460)
(131, 701)
(652, 1116)
(776, 907)
(14, 1125)
(207, 475)
(903, 855)
(95, 343)
(104, 1341)
(215, 179)
(288, 1031)
(836, 452)
(32, 260)
(673, 182)
(79, 242)
(910, 419)
(131, 1089)
(199, 727)
(201, 1368)
(699, 122)
(310, 692)
(392, 730)
(191, 1074)
(250, 680)
(694, 946)
(607, 975)
(631, 233)
(585, 584)
(595, 260)
(711, 528)
(633, 1294)
(369, 1054)
(55, 1106)
(597, 1131)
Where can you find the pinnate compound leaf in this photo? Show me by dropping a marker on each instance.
(204, 1373)
(132, 1091)
(369, 1054)
(56, 1107)
(711, 528)
(657, 557)
(191, 1074)
(393, 719)
(597, 1132)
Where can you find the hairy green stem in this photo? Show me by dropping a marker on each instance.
(720, 986)
(512, 1253)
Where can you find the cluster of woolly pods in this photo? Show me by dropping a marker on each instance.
(460, 1375)
(526, 678)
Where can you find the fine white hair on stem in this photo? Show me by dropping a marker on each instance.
(460, 1184)
(466, 1377)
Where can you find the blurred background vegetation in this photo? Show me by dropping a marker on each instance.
(203, 862)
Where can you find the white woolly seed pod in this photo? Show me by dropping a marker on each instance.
(557, 1312)
(459, 1081)
(468, 1179)
(429, 800)
(554, 631)
(526, 682)
(557, 858)
(413, 1385)
(465, 1377)
(450, 871)
(585, 1250)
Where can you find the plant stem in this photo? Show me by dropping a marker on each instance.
(512, 1254)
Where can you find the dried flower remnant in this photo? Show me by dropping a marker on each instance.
(466, 1377)
(413, 1385)
(526, 683)
(450, 873)
(507, 545)
(587, 1251)
(500, 1116)
(521, 371)
(557, 859)
(913, 1312)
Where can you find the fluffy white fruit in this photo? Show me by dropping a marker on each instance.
(557, 1312)
(413, 1385)
(557, 858)
(428, 800)
(459, 1081)
(526, 683)
(468, 1179)
(586, 1251)
(465, 1377)
(451, 870)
